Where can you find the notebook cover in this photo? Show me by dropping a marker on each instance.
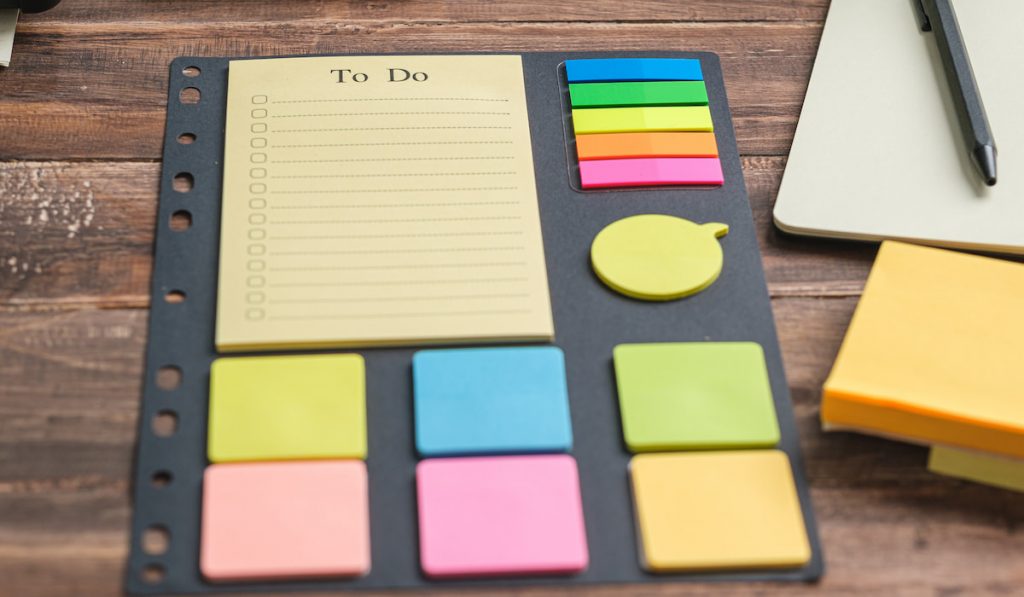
(878, 152)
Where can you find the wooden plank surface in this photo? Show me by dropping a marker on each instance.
(383, 12)
(65, 96)
(81, 123)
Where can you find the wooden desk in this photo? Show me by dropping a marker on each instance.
(81, 127)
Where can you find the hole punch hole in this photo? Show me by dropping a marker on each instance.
(153, 574)
(189, 95)
(161, 479)
(175, 297)
(168, 377)
(155, 540)
(183, 182)
(165, 423)
(181, 221)
(191, 71)
(187, 138)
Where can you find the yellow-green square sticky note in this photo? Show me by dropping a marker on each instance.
(287, 408)
(695, 396)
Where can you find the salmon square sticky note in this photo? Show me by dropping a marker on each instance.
(718, 511)
(510, 515)
(287, 408)
(283, 520)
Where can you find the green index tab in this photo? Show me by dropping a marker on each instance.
(646, 93)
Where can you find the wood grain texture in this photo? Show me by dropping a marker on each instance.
(64, 96)
(384, 11)
(81, 126)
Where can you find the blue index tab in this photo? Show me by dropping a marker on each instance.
(633, 69)
(478, 401)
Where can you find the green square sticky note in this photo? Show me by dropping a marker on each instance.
(695, 396)
(287, 408)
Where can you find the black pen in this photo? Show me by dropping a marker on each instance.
(939, 16)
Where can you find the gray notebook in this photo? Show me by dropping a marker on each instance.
(878, 152)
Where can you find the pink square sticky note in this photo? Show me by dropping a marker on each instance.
(285, 520)
(508, 515)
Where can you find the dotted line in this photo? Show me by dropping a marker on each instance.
(398, 175)
(397, 299)
(423, 235)
(417, 266)
(390, 315)
(342, 191)
(399, 143)
(399, 282)
(400, 251)
(382, 114)
(482, 218)
(377, 205)
(391, 128)
(343, 160)
(392, 99)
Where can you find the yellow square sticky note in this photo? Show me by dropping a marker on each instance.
(718, 510)
(287, 407)
(934, 352)
(372, 200)
(1007, 473)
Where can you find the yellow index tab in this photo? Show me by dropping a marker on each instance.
(633, 120)
(374, 200)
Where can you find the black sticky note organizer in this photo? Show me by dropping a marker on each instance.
(590, 320)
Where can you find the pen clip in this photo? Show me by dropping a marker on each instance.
(922, 14)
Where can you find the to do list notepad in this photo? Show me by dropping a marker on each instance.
(379, 200)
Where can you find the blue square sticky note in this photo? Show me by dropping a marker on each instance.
(491, 401)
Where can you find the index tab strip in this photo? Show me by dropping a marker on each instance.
(628, 120)
(651, 93)
(650, 172)
(633, 69)
(646, 145)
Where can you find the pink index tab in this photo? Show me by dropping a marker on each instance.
(500, 516)
(644, 172)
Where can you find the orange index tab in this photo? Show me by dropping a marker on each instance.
(646, 145)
